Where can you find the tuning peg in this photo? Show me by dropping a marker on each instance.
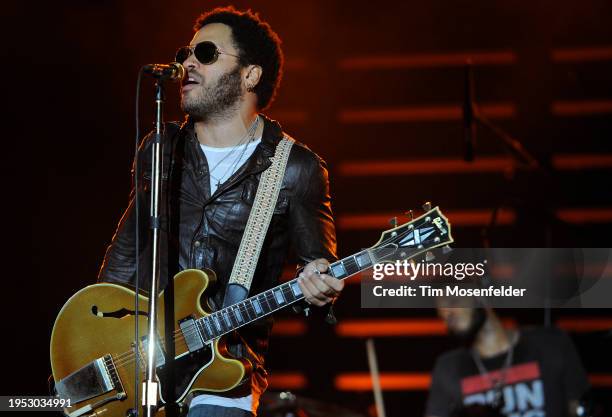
(427, 206)
(410, 214)
(446, 249)
(429, 256)
(393, 221)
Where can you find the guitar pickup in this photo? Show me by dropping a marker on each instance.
(191, 333)
(160, 356)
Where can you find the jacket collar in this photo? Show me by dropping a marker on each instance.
(259, 161)
(272, 135)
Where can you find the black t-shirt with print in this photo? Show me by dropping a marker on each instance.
(544, 376)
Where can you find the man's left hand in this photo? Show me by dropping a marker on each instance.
(318, 287)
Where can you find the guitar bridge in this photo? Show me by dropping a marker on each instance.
(96, 378)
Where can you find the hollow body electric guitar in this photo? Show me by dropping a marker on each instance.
(94, 354)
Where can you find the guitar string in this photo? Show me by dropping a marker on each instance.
(180, 335)
(128, 357)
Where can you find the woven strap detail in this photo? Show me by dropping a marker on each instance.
(260, 216)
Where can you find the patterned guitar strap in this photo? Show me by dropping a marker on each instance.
(257, 224)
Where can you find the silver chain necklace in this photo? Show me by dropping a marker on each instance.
(497, 383)
(242, 143)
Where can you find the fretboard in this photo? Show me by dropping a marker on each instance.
(240, 314)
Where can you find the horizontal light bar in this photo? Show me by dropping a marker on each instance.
(483, 164)
(287, 380)
(451, 59)
(445, 112)
(380, 221)
(584, 324)
(389, 381)
(422, 113)
(402, 327)
(289, 327)
(596, 53)
(414, 381)
(363, 328)
(423, 166)
(581, 108)
(585, 215)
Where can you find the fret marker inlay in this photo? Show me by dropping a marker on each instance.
(238, 314)
(296, 289)
(338, 270)
(257, 306)
(279, 296)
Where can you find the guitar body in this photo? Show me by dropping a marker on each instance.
(99, 320)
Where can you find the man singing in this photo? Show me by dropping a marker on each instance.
(212, 167)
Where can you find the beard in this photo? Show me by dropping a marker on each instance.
(468, 335)
(214, 101)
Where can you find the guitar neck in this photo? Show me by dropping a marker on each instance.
(426, 232)
(240, 314)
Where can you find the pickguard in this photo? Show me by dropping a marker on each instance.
(183, 370)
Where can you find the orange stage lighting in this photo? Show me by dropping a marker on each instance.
(419, 114)
(424, 166)
(289, 327)
(581, 162)
(456, 217)
(397, 327)
(585, 215)
(581, 108)
(415, 381)
(584, 324)
(391, 381)
(455, 59)
(287, 380)
(459, 166)
(601, 380)
(582, 54)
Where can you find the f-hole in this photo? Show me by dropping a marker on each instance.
(117, 314)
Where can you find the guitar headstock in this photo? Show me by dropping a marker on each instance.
(419, 235)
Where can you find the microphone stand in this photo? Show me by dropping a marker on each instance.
(150, 385)
(512, 145)
(472, 117)
(521, 156)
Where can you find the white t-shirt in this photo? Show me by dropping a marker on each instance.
(219, 173)
(244, 403)
(224, 162)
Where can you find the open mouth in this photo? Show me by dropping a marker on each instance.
(189, 80)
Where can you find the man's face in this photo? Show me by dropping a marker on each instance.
(212, 90)
(462, 322)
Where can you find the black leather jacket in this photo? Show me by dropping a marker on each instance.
(204, 231)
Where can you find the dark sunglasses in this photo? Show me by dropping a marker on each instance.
(205, 52)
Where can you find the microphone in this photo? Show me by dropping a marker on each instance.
(173, 71)
(469, 121)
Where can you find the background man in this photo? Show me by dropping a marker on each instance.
(526, 372)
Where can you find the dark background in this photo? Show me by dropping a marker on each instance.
(364, 82)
